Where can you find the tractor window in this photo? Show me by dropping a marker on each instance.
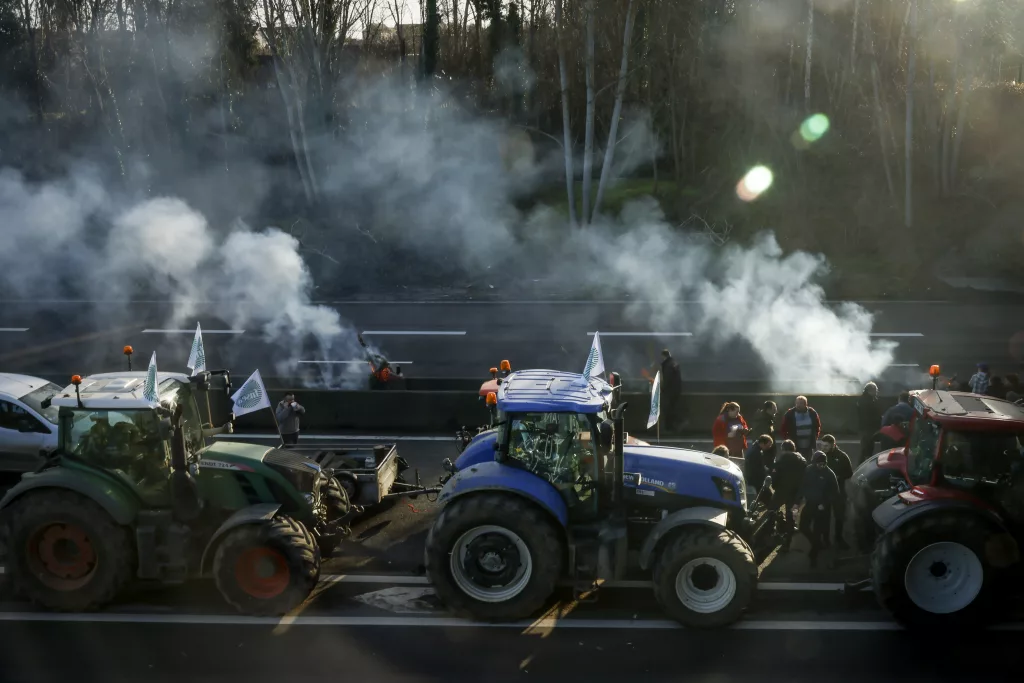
(970, 458)
(126, 443)
(173, 392)
(557, 447)
(921, 447)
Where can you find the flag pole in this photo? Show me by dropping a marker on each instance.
(277, 425)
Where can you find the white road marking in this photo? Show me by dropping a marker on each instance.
(432, 333)
(156, 331)
(351, 362)
(13, 329)
(904, 365)
(577, 302)
(441, 622)
(417, 580)
(643, 334)
(896, 334)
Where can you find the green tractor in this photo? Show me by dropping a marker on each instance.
(134, 492)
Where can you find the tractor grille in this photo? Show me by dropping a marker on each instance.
(247, 488)
(277, 456)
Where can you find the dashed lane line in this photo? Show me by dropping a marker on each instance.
(350, 362)
(13, 329)
(642, 334)
(416, 580)
(161, 331)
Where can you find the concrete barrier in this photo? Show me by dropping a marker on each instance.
(396, 412)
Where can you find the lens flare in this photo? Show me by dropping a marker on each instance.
(814, 127)
(754, 183)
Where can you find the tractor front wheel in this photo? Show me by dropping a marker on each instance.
(65, 552)
(933, 571)
(705, 577)
(267, 569)
(493, 557)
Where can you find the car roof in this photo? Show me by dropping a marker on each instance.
(113, 390)
(552, 391)
(960, 409)
(17, 386)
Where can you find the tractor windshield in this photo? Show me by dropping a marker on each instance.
(921, 447)
(174, 393)
(555, 446)
(127, 443)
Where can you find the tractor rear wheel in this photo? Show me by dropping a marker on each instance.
(494, 557)
(933, 572)
(705, 577)
(65, 552)
(267, 569)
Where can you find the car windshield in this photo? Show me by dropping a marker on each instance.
(34, 400)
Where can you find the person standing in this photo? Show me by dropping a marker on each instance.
(763, 421)
(288, 411)
(730, 430)
(899, 413)
(671, 390)
(869, 419)
(802, 425)
(819, 491)
(839, 462)
(787, 474)
(979, 380)
(757, 460)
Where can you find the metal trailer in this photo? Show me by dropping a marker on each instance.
(371, 474)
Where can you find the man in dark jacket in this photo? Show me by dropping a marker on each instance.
(820, 491)
(671, 390)
(287, 413)
(787, 474)
(901, 412)
(839, 462)
(756, 461)
(869, 419)
(801, 425)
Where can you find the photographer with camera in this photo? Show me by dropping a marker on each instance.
(288, 411)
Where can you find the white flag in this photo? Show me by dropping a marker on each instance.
(252, 396)
(149, 389)
(197, 357)
(595, 361)
(652, 419)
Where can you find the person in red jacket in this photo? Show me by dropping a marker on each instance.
(730, 430)
(802, 425)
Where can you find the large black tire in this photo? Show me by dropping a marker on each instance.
(65, 552)
(896, 549)
(722, 547)
(336, 500)
(524, 519)
(268, 568)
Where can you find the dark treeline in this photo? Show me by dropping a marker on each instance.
(923, 101)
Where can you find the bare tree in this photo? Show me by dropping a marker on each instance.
(908, 170)
(609, 150)
(807, 59)
(588, 142)
(563, 78)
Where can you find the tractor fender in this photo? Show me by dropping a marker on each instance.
(895, 512)
(696, 516)
(120, 505)
(495, 476)
(261, 512)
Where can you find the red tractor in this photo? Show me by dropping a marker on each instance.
(951, 535)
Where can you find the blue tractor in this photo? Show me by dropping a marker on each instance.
(552, 493)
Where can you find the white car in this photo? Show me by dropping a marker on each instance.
(28, 431)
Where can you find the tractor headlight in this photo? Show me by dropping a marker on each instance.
(725, 488)
(309, 499)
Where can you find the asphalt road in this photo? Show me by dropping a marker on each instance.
(374, 617)
(465, 338)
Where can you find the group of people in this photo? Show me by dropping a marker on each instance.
(806, 467)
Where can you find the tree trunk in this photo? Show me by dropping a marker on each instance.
(588, 144)
(947, 128)
(908, 166)
(853, 37)
(881, 121)
(563, 77)
(807, 59)
(961, 123)
(609, 150)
